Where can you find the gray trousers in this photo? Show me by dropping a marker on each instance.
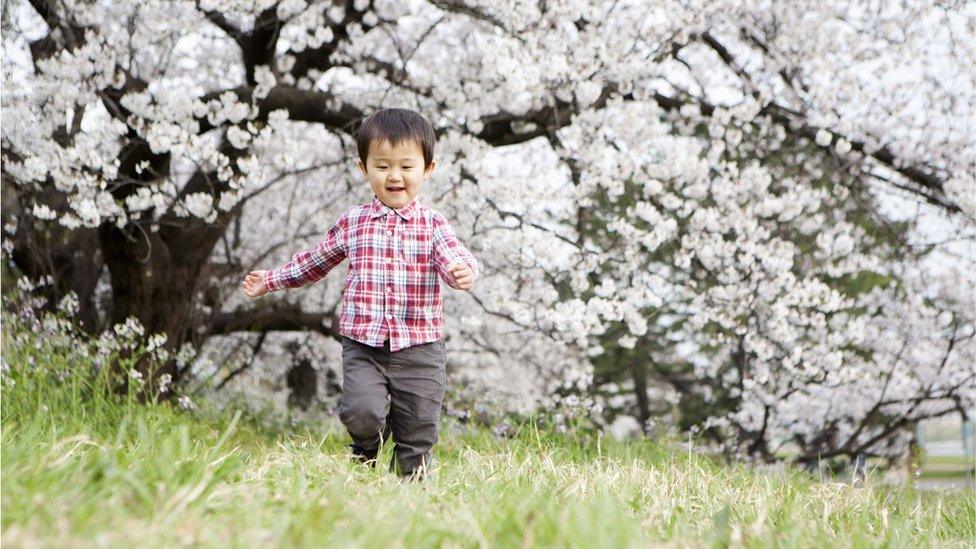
(398, 393)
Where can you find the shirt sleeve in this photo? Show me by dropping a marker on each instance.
(309, 266)
(448, 251)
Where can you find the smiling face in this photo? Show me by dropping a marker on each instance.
(395, 173)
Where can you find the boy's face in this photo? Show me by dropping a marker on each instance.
(395, 173)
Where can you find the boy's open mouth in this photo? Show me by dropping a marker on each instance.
(395, 189)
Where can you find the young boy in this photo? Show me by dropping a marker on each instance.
(393, 354)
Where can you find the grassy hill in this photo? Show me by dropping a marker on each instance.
(82, 470)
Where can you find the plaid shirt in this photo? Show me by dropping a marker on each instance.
(395, 257)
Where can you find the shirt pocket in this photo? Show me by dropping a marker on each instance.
(416, 246)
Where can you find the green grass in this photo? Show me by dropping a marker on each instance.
(949, 462)
(80, 469)
(958, 468)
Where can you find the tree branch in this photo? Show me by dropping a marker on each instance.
(275, 317)
(794, 122)
(222, 23)
(304, 105)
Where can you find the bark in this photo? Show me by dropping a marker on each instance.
(639, 372)
(302, 380)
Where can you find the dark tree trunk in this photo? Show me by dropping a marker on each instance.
(639, 373)
(302, 380)
(156, 277)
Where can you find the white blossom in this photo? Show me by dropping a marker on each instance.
(42, 211)
(824, 137)
(164, 382)
(201, 205)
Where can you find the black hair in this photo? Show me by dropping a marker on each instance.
(396, 126)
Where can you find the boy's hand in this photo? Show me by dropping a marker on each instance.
(254, 284)
(463, 276)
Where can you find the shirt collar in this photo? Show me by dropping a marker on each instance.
(377, 208)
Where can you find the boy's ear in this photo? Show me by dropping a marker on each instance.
(430, 168)
(362, 168)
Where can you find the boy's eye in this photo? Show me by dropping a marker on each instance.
(408, 167)
(382, 167)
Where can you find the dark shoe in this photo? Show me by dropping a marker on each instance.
(419, 473)
(365, 457)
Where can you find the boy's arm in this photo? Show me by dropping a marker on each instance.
(449, 252)
(309, 266)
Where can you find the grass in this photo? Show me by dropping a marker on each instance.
(959, 468)
(80, 469)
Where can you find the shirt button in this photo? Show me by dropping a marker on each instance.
(389, 232)
(389, 289)
(389, 317)
(388, 260)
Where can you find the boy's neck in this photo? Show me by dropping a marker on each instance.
(416, 200)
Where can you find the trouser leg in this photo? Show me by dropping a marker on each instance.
(365, 402)
(417, 379)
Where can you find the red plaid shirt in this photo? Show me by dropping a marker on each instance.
(395, 257)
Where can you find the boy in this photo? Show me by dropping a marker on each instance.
(393, 354)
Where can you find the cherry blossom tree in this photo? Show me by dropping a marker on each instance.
(689, 195)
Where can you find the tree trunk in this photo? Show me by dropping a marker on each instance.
(156, 277)
(639, 372)
(302, 380)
